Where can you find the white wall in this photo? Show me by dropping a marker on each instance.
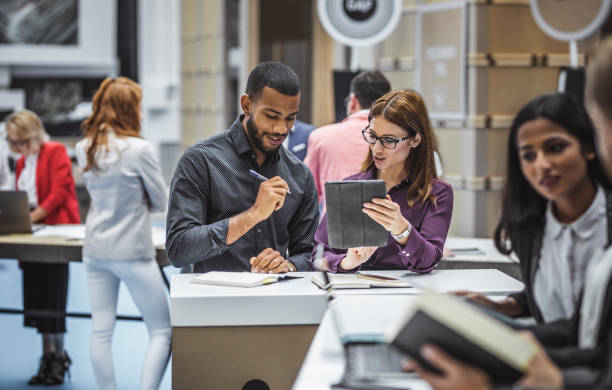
(159, 67)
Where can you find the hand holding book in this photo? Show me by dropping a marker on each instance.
(465, 333)
(541, 371)
(457, 375)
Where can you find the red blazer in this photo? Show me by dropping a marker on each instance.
(54, 184)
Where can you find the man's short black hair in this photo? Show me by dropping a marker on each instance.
(280, 77)
(368, 86)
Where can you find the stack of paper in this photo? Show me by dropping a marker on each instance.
(71, 232)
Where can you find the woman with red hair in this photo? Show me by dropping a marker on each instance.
(418, 207)
(125, 183)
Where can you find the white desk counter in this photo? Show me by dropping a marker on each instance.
(478, 253)
(288, 302)
(299, 301)
(225, 336)
(484, 281)
(481, 250)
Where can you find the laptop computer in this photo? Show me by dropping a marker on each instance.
(370, 363)
(15, 213)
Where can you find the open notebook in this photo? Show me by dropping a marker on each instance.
(356, 280)
(239, 279)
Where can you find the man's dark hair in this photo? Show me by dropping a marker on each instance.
(369, 86)
(278, 76)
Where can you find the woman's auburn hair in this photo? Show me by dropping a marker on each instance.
(406, 109)
(116, 107)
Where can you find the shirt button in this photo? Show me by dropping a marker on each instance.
(253, 156)
(258, 230)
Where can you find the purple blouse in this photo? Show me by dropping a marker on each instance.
(423, 250)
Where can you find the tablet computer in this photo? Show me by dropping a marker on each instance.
(347, 225)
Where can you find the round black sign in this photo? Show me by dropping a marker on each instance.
(359, 9)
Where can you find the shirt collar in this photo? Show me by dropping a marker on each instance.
(361, 114)
(370, 174)
(241, 142)
(585, 226)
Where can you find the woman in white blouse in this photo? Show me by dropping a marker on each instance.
(125, 183)
(554, 207)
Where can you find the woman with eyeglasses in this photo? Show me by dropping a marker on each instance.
(125, 182)
(44, 172)
(418, 207)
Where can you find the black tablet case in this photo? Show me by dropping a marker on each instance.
(347, 225)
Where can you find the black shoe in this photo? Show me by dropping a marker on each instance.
(58, 366)
(43, 369)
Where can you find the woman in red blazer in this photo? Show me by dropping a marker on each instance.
(45, 172)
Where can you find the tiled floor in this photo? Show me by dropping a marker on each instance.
(20, 347)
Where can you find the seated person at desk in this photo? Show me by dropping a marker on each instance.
(44, 172)
(418, 207)
(125, 183)
(556, 206)
(588, 332)
(221, 217)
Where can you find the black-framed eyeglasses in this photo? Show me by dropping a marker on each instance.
(18, 143)
(387, 142)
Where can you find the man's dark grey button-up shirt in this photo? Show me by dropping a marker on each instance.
(212, 183)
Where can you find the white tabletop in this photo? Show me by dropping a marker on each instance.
(484, 281)
(299, 301)
(77, 232)
(288, 302)
(481, 250)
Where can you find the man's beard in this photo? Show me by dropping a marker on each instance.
(257, 137)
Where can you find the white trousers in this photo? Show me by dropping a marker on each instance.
(145, 284)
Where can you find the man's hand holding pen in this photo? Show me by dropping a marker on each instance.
(270, 197)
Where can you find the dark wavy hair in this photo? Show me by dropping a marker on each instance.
(523, 208)
(368, 86)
